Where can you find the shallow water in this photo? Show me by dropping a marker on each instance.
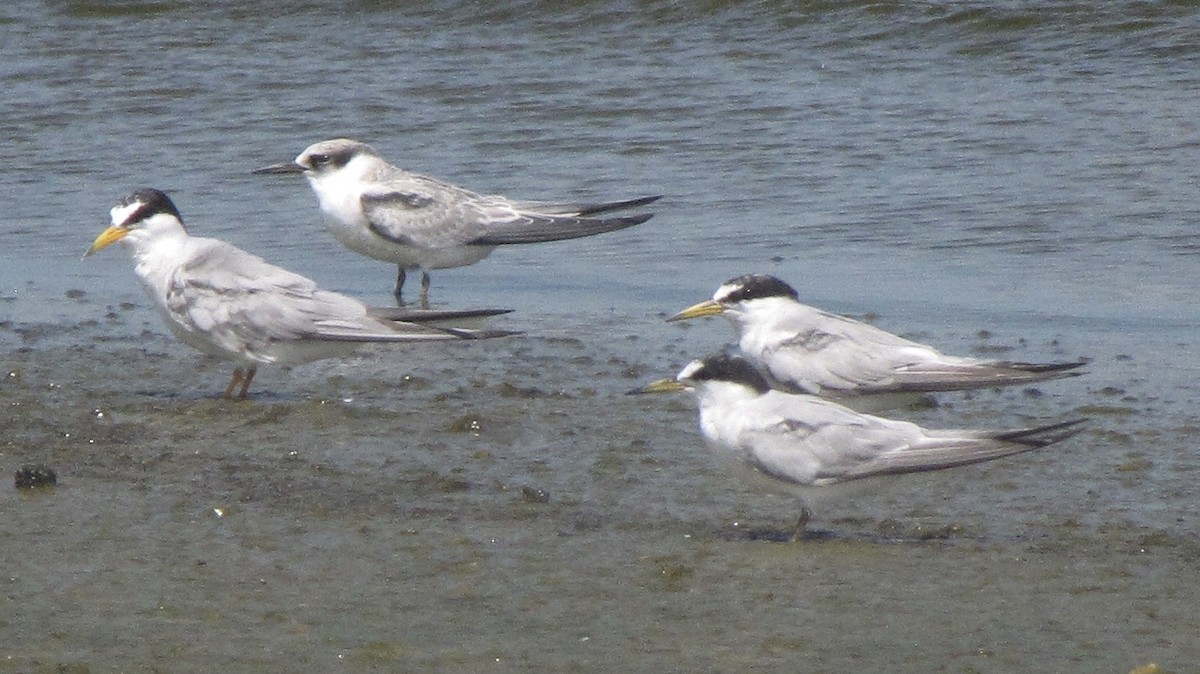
(1015, 180)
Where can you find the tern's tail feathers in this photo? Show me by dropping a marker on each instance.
(583, 209)
(532, 228)
(404, 332)
(1040, 436)
(948, 449)
(431, 315)
(940, 376)
(463, 333)
(1059, 368)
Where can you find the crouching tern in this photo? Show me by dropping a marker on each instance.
(230, 304)
(419, 222)
(803, 444)
(802, 349)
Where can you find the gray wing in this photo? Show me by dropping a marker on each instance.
(416, 210)
(827, 447)
(530, 228)
(834, 354)
(431, 315)
(240, 302)
(544, 221)
(817, 351)
(950, 374)
(582, 208)
(805, 440)
(947, 449)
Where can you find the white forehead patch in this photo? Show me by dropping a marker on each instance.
(689, 371)
(725, 291)
(122, 212)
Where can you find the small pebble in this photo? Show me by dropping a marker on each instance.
(534, 495)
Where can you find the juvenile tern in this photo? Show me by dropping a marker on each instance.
(228, 303)
(419, 222)
(799, 348)
(800, 443)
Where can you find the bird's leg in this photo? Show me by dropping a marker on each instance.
(424, 289)
(250, 372)
(801, 524)
(399, 289)
(242, 377)
(233, 381)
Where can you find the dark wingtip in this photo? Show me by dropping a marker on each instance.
(641, 201)
(428, 315)
(597, 209)
(1040, 436)
(1064, 368)
(482, 334)
(558, 228)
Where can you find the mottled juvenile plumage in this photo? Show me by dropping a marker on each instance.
(419, 222)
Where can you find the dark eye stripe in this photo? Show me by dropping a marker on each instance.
(336, 159)
(342, 157)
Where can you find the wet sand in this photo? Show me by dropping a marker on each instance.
(503, 506)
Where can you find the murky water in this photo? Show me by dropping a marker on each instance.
(1018, 180)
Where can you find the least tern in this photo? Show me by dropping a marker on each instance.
(801, 443)
(799, 348)
(419, 222)
(228, 303)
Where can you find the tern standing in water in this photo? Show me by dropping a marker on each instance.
(419, 222)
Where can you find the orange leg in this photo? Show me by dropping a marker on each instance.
(242, 377)
(250, 372)
(233, 381)
(801, 524)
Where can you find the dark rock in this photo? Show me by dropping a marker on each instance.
(33, 476)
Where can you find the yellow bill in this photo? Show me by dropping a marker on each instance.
(705, 308)
(660, 386)
(107, 238)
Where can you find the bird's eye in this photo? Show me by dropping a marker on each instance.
(320, 159)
